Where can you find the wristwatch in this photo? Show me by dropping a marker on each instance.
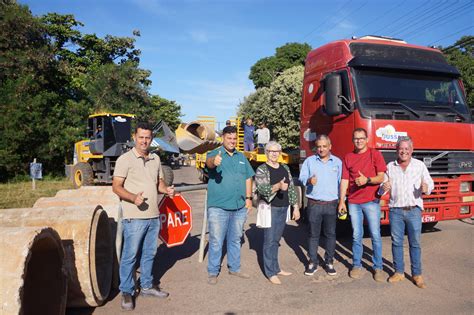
(369, 180)
(248, 198)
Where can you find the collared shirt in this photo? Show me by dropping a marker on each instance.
(328, 175)
(141, 174)
(406, 184)
(226, 188)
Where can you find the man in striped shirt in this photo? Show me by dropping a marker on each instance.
(407, 179)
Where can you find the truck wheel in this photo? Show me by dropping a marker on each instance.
(429, 226)
(167, 174)
(82, 175)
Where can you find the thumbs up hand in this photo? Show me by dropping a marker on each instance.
(283, 184)
(139, 199)
(170, 191)
(423, 186)
(361, 180)
(218, 159)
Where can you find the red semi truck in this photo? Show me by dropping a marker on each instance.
(394, 89)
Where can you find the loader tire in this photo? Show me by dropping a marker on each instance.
(168, 175)
(82, 175)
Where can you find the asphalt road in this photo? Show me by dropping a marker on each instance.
(447, 256)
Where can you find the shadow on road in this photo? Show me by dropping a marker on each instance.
(296, 238)
(166, 257)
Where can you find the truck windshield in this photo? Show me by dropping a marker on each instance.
(392, 95)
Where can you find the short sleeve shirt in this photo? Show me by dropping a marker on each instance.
(368, 163)
(140, 175)
(226, 186)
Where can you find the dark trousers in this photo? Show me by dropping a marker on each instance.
(322, 215)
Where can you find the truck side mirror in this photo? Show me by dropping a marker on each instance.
(333, 91)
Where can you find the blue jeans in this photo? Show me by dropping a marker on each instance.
(325, 215)
(271, 241)
(228, 225)
(248, 146)
(371, 211)
(138, 234)
(411, 219)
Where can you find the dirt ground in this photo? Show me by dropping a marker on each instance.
(447, 256)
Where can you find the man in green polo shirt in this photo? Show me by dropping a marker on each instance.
(229, 198)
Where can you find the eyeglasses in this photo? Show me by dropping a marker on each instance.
(272, 151)
(359, 139)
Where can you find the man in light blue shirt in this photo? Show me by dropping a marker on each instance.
(321, 174)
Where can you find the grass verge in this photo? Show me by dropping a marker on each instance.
(21, 195)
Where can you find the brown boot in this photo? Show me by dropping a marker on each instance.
(379, 276)
(396, 277)
(418, 280)
(356, 273)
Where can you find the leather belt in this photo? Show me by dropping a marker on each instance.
(321, 202)
(408, 208)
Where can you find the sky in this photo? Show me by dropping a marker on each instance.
(200, 51)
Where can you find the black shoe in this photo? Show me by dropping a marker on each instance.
(154, 292)
(127, 302)
(311, 269)
(330, 270)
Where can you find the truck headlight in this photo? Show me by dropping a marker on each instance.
(465, 187)
(464, 210)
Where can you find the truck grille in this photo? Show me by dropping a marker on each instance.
(441, 162)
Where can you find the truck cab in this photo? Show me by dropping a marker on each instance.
(391, 89)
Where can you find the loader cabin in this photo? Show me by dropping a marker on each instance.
(108, 133)
(388, 87)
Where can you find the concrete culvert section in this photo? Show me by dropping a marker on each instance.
(87, 240)
(196, 137)
(33, 276)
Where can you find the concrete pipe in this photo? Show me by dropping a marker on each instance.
(33, 277)
(86, 191)
(196, 138)
(87, 241)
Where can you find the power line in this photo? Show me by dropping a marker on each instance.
(455, 12)
(351, 12)
(450, 35)
(327, 19)
(400, 18)
(420, 19)
(467, 41)
(380, 16)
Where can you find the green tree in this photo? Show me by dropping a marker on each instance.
(53, 76)
(30, 83)
(461, 55)
(279, 106)
(166, 110)
(267, 69)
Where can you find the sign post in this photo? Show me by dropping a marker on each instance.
(175, 220)
(36, 172)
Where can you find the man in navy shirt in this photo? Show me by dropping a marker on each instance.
(321, 173)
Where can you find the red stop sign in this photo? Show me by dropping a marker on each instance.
(175, 220)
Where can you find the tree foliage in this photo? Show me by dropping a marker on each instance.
(461, 55)
(53, 76)
(267, 69)
(278, 106)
